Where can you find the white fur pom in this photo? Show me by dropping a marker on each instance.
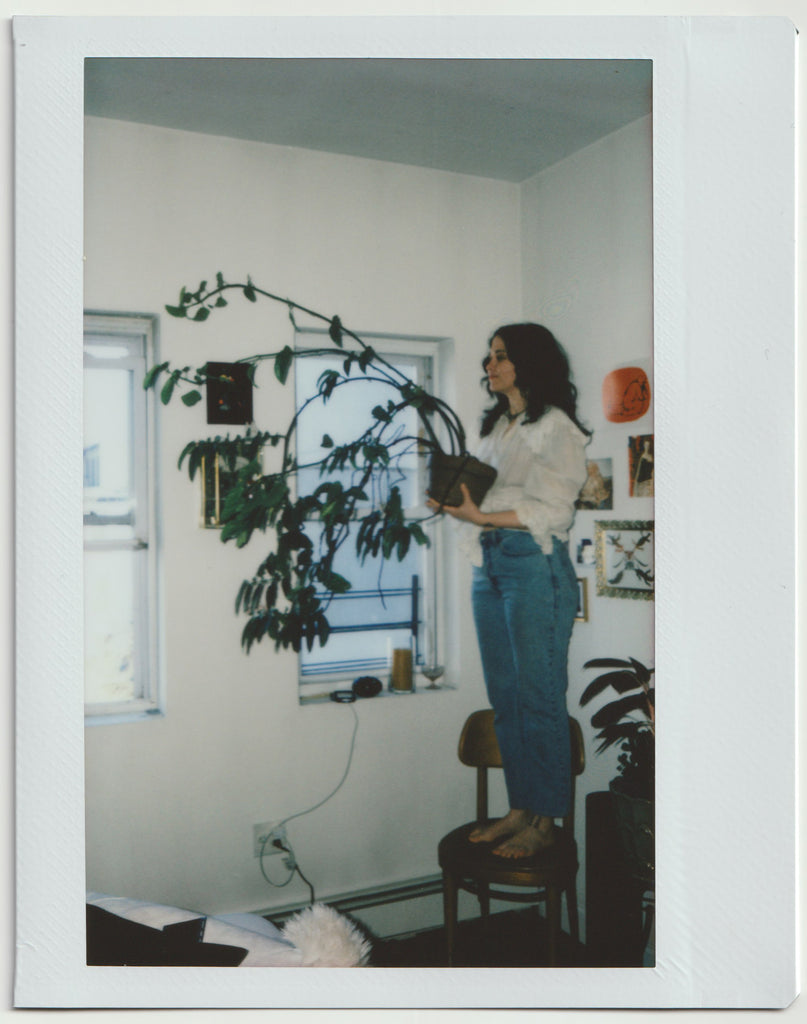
(326, 939)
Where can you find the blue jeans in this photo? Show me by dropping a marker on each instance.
(524, 606)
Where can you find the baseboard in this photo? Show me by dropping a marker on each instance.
(363, 899)
(378, 907)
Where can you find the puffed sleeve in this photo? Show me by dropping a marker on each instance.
(556, 473)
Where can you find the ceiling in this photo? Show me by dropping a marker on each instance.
(503, 119)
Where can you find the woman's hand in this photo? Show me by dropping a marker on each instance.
(468, 511)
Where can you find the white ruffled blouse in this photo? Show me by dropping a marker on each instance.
(541, 468)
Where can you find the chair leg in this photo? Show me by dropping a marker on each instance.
(553, 922)
(571, 906)
(484, 899)
(450, 914)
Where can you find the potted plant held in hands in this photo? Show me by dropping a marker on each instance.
(629, 721)
(358, 496)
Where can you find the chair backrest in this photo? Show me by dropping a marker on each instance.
(479, 749)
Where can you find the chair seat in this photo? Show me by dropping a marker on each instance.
(553, 866)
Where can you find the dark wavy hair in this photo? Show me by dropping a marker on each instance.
(543, 375)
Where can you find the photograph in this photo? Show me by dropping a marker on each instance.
(598, 490)
(335, 553)
(582, 600)
(354, 289)
(640, 466)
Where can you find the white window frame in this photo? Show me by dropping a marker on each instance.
(430, 596)
(106, 328)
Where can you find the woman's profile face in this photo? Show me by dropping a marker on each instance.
(500, 370)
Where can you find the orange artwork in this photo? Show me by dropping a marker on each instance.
(625, 394)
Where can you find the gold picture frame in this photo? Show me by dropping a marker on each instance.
(624, 552)
(217, 480)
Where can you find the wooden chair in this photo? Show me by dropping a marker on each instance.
(474, 867)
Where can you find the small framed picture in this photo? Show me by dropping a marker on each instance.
(624, 559)
(640, 465)
(217, 482)
(229, 393)
(582, 600)
(598, 490)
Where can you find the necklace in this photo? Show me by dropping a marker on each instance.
(513, 415)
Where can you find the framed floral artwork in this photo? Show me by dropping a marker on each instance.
(624, 553)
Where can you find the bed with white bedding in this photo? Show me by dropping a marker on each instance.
(128, 932)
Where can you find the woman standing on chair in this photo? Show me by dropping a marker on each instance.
(524, 583)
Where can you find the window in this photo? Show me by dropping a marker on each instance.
(120, 599)
(391, 603)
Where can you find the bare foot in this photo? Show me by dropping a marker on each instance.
(514, 821)
(538, 835)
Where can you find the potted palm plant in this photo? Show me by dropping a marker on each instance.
(359, 496)
(629, 721)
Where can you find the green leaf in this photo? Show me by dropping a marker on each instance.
(334, 582)
(323, 627)
(327, 382)
(178, 311)
(367, 356)
(335, 331)
(381, 414)
(249, 292)
(168, 388)
(219, 280)
(202, 313)
(185, 451)
(221, 301)
(243, 595)
(195, 461)
(419, 535)
(192, 397)
(151, 377)
(403, 546)
(327, 441)
(283, 364)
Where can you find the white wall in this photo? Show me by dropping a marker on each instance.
(588, 275)
(170, 803)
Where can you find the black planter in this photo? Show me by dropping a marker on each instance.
(447, 472)
(636, 824)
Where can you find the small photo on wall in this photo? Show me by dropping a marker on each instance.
(640, 464)
(582, 600)
(598, 490)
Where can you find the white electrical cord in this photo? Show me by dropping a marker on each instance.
(288, 848)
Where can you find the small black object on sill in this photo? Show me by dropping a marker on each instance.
(343, 696)
(367, 686)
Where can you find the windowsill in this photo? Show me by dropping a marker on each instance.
(123, 716)
(323, 696)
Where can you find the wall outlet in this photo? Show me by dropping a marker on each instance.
(264, 836)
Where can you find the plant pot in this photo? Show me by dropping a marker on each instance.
(635, 818)
(447, 472)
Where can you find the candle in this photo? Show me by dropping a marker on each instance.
(402, 669)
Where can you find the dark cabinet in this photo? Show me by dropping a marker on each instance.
(615, 902)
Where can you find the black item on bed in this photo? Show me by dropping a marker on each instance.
(113, 941)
